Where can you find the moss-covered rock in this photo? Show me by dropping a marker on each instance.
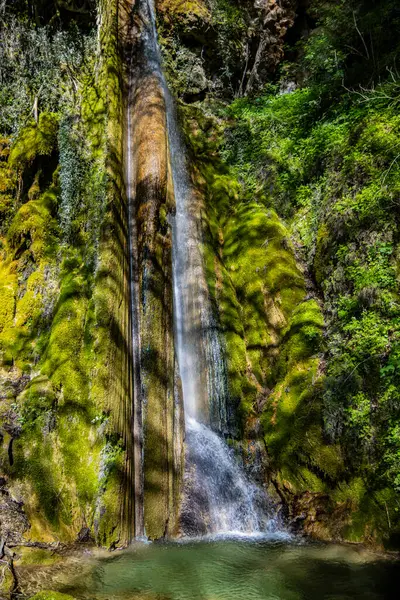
(272, 322)
(219, 47)
(62, 416)
(37, 557)
(36, 139)
(49, 595)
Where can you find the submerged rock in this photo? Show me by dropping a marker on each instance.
(49, 595)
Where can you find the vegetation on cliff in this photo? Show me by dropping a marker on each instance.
(325, 156)
(308, 307)
(63, 452)
(289, 110)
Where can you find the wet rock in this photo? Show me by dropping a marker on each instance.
(85, 536)
(153, 202)
(7, 583)
(195, 507)
(12, 383)
(13, 521)
(237, 45)
(317, 516)
(273, 20)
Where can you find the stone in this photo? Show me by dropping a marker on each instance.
(13, 521)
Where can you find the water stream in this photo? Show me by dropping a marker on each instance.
(218, 497)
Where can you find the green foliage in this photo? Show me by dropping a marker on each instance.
(322, 61)
(39, 67)
(82, 181)
(355, 41)
(327, 160)
(230, 22)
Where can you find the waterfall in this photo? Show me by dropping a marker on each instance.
(218, 497)
(198, 346)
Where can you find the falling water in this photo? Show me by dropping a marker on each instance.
(198, 346)
(218, 497)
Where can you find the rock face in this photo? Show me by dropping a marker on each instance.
(225, 50)
(73, 430)
(152, 204)
(13, 521)
(273, 21)
(66, 450)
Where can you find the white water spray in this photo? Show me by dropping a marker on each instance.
(219, 498)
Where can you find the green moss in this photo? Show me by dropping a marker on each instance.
(33, 229)
(46, 495)
(58, 324)
(36, 139)
(37, 397)
(322, 243)
(62, 435)
(185, 7)
(7, 582)
(254, 280)
(94, 112)
(373, 513)
(163, 215)
(64, 360)
(108, 514)
(268, 286)
(57, 417)
(299, 478)
(8, 184)
(38, 556)
(19, 316)
(49, 595)
(8, 288)
(29, 308)
(292, 419)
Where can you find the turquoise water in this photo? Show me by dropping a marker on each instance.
(240, 570)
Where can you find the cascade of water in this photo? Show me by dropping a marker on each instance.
(217, 490)
(219, 498)
(199, 352)
(200, 355)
